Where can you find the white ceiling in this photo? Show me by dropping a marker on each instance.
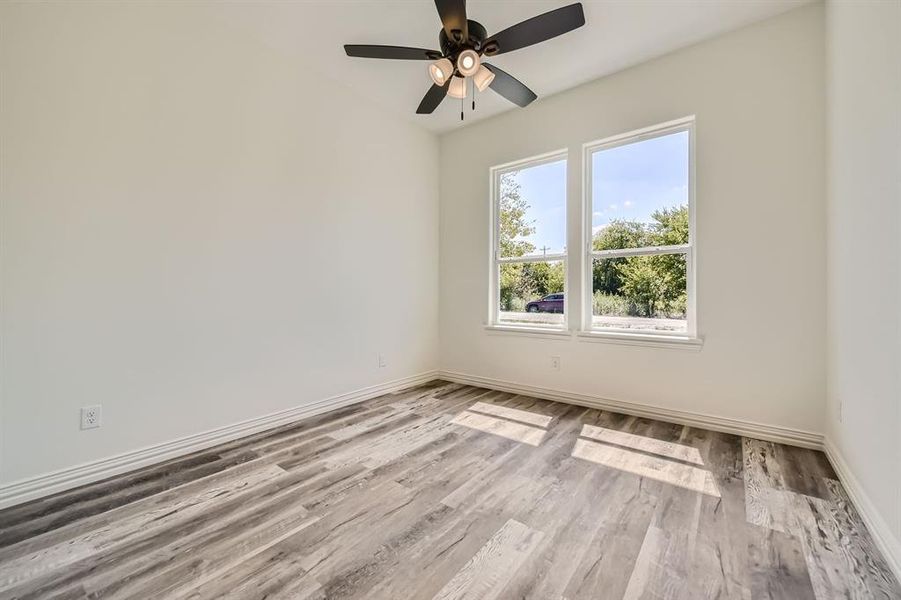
(617, 34)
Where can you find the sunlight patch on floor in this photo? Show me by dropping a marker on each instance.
(646, 444)
(656, 468)
(511, 423)
(512, 414)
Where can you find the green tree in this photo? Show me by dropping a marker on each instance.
(643, 285)
(619, 234)
(541, 278)
(670, 227)
(510, 298)
(654, 285)
(513, 227)
(512, 218)
(651, 285)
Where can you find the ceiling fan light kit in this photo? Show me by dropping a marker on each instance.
(463, 45)
(468, 63)
(441, 70)
(483, 78)
(457, 88)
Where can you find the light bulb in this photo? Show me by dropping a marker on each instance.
(440, 70)
(483, 78)
(468, 63)
(457, 88)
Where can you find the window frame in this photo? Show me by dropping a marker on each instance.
(496, 260)
(686, 124)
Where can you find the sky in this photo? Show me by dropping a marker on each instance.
(629, 182)
(544, 188)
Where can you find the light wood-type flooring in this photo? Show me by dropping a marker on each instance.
(449, 491)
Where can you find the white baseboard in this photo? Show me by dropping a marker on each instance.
(887, 542)
(773, 433)
(31, 488)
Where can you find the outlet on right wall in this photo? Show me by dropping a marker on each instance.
(863, 427)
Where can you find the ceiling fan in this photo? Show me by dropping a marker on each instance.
(463, 44)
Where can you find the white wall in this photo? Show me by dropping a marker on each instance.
(864, 229)
(196, 230)
(758, 97)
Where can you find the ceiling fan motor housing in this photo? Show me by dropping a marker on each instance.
(451, 48)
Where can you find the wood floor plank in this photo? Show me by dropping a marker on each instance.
(718, 566)
(833, 572)
(804, 471)
(488, 572)
(446, 490)
(102, 539)
(422, 571)
(859, 549)
(767, 504)
(240, 553)
(145, 554)
(588, 540)
(86, 502)
(778, 567)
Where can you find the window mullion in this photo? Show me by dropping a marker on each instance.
(531, 259)
(647, 251)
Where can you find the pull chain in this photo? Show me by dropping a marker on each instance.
(463, 100)
(473, 94)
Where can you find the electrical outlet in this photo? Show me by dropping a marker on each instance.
(382, 362)
(555, 363)
(91, 416)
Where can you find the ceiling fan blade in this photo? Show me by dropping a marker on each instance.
(535, 30)
(432, 98)
(395, 52)
(510, 87)
(453, 17)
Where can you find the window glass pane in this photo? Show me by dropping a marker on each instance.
(532, 210)
(639, 193)
(639, 293)
(523, 289)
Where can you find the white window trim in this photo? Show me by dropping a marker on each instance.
(631, 338)
(588, 332)
(495, 260)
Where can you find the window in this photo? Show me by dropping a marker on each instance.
(638, 284)
(639, 222)
(528, 267)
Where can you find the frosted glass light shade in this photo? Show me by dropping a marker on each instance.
(468, 63)
(441, 70)
(483, 78)
(457, 88)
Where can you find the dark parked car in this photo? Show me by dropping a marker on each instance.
(551, 303)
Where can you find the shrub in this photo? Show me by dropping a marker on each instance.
(610, 305)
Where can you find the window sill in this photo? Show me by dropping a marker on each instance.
(541, 332)
(643, 339)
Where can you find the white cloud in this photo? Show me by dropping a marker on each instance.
(613, 207)
(627, 203)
